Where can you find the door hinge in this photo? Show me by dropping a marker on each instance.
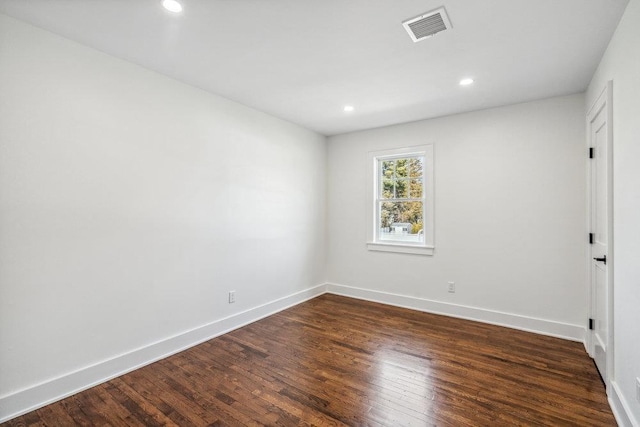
(591, 152)
(591, 324)
(591, 238)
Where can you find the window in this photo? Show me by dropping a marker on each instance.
(402, 200)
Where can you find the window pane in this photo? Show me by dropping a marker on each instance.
(386, 168)
(401, 221)
(402, 189)
(415, 188)
(415, 167)
(386, 189)
(401, 168)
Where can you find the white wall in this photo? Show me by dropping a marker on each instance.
(130, 204)
(509, 221)
(621, 63)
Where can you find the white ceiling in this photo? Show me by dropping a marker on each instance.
(303, 60)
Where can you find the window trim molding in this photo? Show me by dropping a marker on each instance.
(373, 244)
(405, 249)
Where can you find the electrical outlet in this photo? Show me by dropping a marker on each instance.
(452, 287)
(232, 297)
(638, 389)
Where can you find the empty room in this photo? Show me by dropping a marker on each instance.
(329, 213)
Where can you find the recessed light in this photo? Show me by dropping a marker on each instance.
(172, 6)
(466, 82)
(348, 108)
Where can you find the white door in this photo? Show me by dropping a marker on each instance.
(599, 138)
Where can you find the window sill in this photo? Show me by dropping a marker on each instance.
(400, 248)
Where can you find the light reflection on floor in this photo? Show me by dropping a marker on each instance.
(400, 374)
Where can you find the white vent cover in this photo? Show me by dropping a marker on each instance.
(428, 24)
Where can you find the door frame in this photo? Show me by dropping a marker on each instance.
(604, 102)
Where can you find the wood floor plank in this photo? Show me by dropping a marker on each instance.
(118, 414)
(175, 406)
(336, 361)
(139, 407)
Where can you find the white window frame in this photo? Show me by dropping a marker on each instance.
(373, 242)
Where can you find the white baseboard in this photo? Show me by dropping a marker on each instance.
(37, 396)
(514, 321)
(620, 408)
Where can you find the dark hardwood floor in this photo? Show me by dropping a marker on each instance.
(340, 361)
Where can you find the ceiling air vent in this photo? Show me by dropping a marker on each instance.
(426, 25)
